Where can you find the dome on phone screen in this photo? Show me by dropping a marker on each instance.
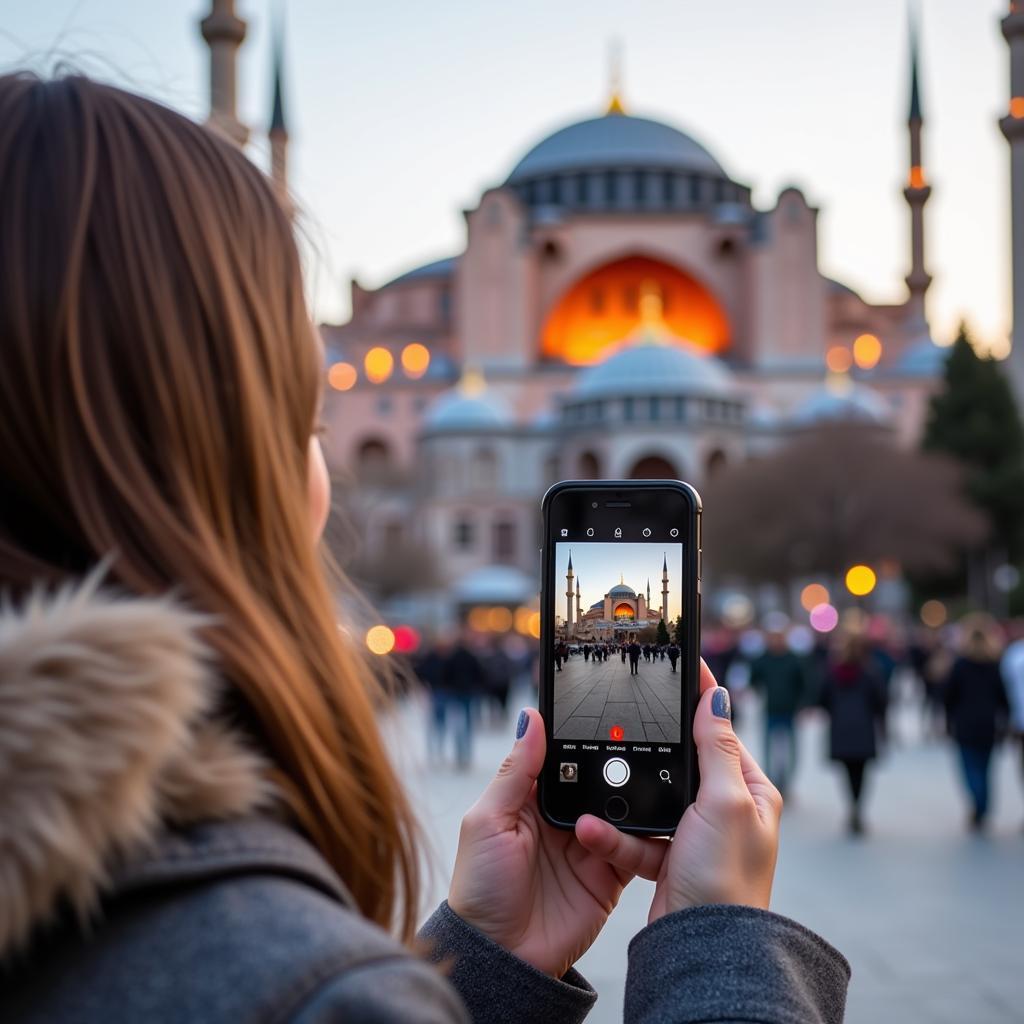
(621, 590)
(655, 366)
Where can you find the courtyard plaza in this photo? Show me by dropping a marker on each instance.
(591, 697)
(930, 917)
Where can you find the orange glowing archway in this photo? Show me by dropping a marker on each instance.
(624, 611)
(604, 307)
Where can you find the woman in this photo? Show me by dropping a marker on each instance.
(976, 707)
(198, 818)
(853, 694)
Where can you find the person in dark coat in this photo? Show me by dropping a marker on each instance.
(977, 708)
(634, 658)
(853, 694)
(673, 655)
(461, 684)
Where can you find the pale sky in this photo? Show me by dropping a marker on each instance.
(401, 113)
(599, 566)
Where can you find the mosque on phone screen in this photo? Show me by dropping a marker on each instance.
(620, 308)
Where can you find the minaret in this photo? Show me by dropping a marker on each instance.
(579, 616)
(664, 588)
(1013, 128)
(916, 193)
(568, 599)
(278, 133)
(648, 591)
(224, 31)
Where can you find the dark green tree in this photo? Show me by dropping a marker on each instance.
(663, 637)
(678, 631)
(974, 418)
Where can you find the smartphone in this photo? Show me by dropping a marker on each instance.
(620, 643)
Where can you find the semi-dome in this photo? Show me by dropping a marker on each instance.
(616, 141)
(853, 403)
(459, 410)
(621, 590)
(655, 368)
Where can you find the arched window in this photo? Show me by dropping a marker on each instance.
(716, 462)
(373, 458)
(462, 533)
(589, 467)
(653, 467)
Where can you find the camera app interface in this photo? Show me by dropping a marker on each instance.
(617, 636)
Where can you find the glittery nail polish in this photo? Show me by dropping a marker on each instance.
(522, 725)
(720, 705)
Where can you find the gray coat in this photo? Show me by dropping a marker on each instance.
(146, 876)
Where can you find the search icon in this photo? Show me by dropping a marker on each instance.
(664, 775)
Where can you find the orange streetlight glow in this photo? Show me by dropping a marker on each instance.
(379, 363)
(933, 614)
(916, 177)
(1017, 107)
(860, 580)
(499, 620)
(867, 350)
(415, 360)
(838, 359)
(812, 595)
(380, 640)
(342, 376)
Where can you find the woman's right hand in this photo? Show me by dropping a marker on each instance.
(725, 847)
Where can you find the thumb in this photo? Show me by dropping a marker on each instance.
(512, 785)
(718, 749)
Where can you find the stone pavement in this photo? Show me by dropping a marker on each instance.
(592, 696)
(931, 918)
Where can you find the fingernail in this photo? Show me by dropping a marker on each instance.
(720, 703)
(522, 725)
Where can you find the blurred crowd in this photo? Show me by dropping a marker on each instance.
(967, 680)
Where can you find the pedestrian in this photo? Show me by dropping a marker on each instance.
(853, 694)
(586, 652)
(558, 655)
(779, 676)
(634, 658)
(673, 655)
(622, 652)
(1012, 668)
(201, 817)
(976, 708)
(428, 670)
(462, 683)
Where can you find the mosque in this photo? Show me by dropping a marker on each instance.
(619, 613)
(620, 309)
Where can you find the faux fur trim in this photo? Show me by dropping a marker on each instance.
(104, 738)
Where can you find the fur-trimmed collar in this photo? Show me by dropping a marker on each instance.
(105, 740)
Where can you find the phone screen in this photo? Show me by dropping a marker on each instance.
(619, 653)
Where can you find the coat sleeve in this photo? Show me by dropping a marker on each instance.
(719, 963)
(497, 987)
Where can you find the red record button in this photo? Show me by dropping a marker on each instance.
(616, 732)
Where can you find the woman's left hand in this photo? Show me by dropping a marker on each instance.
(528, 886)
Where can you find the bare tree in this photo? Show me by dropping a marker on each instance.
(827, 500)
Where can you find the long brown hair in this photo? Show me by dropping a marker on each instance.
(159, 385)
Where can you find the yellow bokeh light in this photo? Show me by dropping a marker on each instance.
(535, 625)
(523, 621)
(380, 640)
(860, 580)
(867, 350)
(415, 360)
(342, 376)
(838, 359)
(812, 595)
(499, 620)
(379, 363)
(934, 614)
(478, 620)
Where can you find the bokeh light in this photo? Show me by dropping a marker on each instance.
(535, 625)
(867, 350)
(838, 359)
(860, 580)
(812, 595)
(342, 376)
(407, 640)
(477, 619)
(499, 620)
(380, 640)
(415, 360)
(379, 363)
(824, 618)
(1017, 107)
(737, 610)
(934, 614)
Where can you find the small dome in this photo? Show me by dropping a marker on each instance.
(621, 590)
(653, 368)
(438, 269)
(854, 403)
(495, 584)
(458, 411)
(921, 359)
(614, 142)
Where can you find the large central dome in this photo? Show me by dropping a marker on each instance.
(616, 142)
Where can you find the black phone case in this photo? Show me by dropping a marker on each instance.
(692, 569)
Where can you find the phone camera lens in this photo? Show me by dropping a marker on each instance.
(594, 505)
